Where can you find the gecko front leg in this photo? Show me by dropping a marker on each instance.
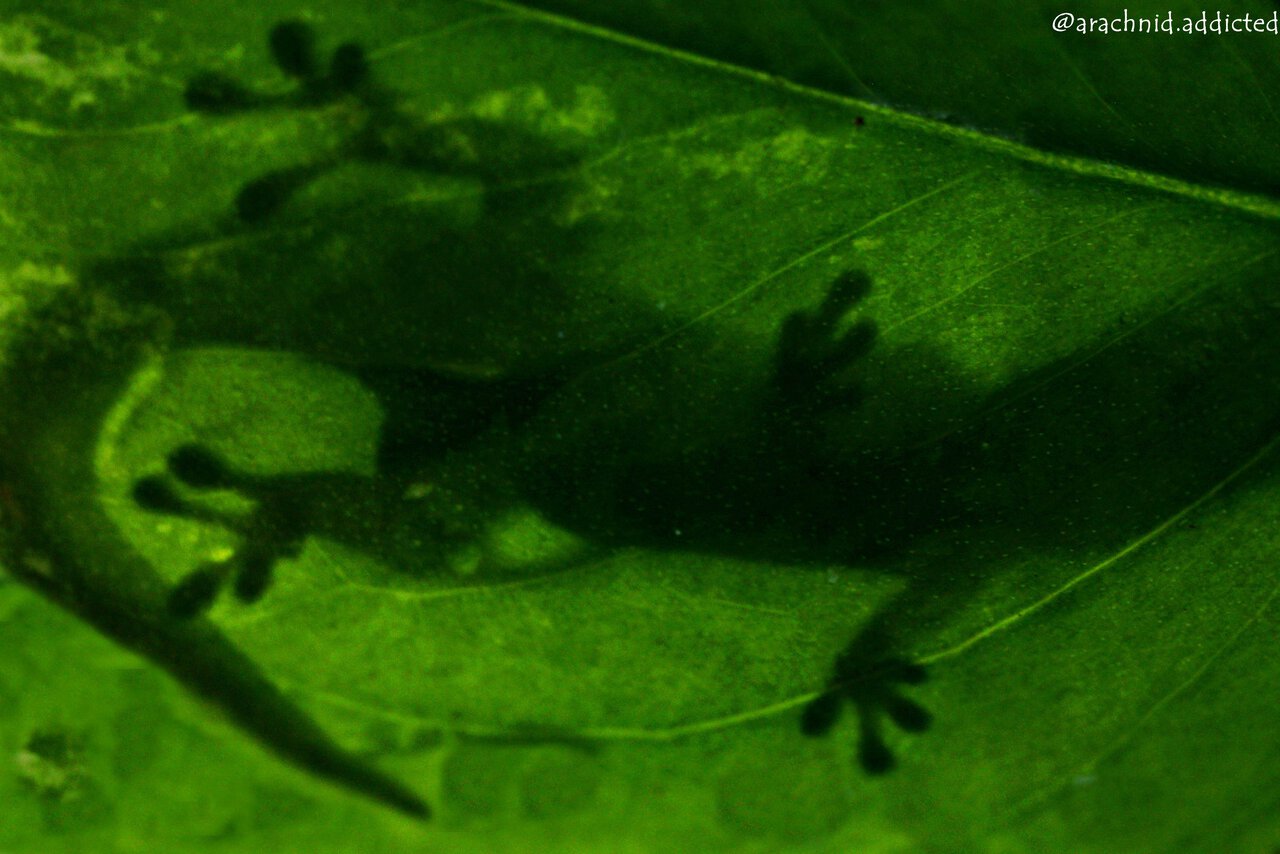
(377, 126)
(271, 533)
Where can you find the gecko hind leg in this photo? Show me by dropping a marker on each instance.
(868, 677)
(811, 379)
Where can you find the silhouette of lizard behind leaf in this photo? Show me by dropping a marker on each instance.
(767, 466)
(763, 488)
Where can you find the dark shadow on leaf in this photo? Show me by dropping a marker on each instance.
(451, 321)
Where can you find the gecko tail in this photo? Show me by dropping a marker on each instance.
(62, 372)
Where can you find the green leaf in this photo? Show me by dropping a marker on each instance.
(594, 621)
(1185, 90)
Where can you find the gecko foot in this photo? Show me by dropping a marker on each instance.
(812, 353)
(870, 681)
(292, 45)
(273, 531)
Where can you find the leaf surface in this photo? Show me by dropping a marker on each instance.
(1081, 353)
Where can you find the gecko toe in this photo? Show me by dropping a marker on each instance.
(845, 292)
(254, 576)
(349, 67)
(909, 715)
(157, 495)
(821, 715)
(196, 593)
(201, 468)
(874, 755)
(293, 47)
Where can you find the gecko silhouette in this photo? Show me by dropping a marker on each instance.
(768, 481)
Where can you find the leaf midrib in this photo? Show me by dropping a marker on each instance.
(1262, 206)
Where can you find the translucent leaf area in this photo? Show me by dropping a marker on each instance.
(594, 620)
